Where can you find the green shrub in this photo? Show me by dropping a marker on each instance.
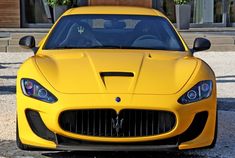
(180, 2)
(59, 2)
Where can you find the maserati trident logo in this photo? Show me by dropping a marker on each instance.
(81, 29)
(117, 124)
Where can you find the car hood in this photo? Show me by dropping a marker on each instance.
(116, 71)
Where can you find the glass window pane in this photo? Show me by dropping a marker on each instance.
(232, 10)
(197, 11)
(168, 8)
(218, 11)
(37, 11)
(207, 11)
(107, 31)
(202, 11)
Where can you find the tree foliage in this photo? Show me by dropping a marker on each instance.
(180, 2)
(59, 2)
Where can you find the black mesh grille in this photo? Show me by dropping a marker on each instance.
(106, 122)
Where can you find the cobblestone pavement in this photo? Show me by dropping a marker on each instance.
(222, 63)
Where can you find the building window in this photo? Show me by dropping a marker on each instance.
(231, 11)
(202, 11)
(218, 11)
(37, 11)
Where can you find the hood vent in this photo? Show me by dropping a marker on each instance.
(116, 74)
(117, 82)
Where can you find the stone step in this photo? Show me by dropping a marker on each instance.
(15, 42)
(4, 42)
(220, 48)
(4, 34)
(213, 43)
(13, 49)
(20, 35)
(209, 34)
(213, 40)
(193, 37)
(3, 48)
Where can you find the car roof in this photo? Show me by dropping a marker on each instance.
(119, 10)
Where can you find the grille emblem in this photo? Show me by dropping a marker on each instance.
(118, 99)
(117, 124)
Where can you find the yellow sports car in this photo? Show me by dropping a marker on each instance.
(115, 79)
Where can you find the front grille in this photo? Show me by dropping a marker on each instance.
(107, 123)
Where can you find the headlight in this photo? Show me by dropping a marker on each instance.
(201, 90)
(33, 89)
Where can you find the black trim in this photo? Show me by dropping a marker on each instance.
(64, 141)
(119, 148)
(196, 127)
(122, 74)
(38, 127)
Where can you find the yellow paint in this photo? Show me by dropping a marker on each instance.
(73, 76)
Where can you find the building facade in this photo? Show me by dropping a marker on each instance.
(37, 13)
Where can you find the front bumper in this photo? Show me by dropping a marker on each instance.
(64, 143)
(185, 116)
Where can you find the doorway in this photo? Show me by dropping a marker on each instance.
(142, 3)
(231, 12)
(35, 13)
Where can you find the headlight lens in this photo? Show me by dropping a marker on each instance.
(200, 91)
(33, 89)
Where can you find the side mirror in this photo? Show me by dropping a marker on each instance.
(27, 42)
(201, 44)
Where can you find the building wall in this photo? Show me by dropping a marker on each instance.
(9, 13)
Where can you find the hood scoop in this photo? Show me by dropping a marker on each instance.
(117, 81)
(116, 74)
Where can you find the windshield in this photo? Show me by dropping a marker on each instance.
(114, 31)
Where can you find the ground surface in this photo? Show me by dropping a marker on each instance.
(222, 63)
